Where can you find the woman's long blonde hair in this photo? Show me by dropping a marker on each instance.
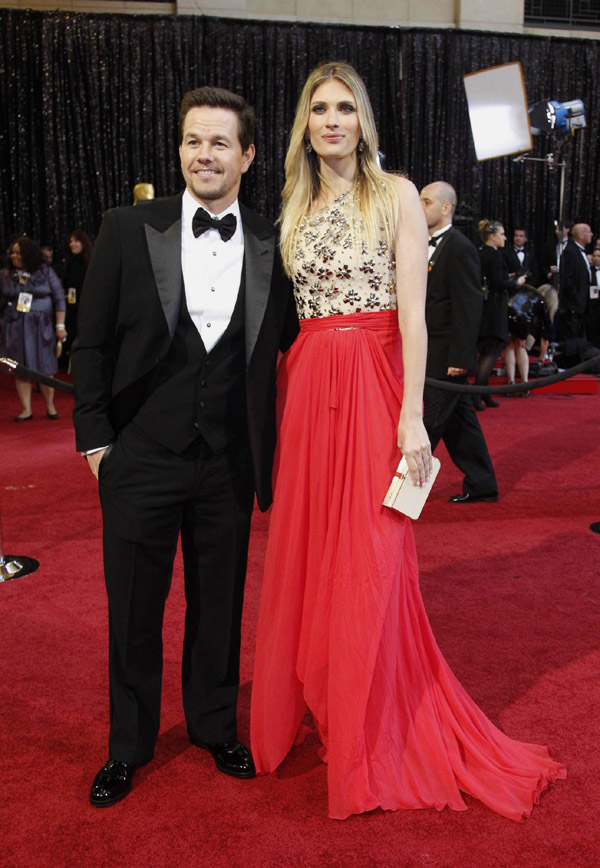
(376, 189)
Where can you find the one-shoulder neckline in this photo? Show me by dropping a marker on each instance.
(331, 204)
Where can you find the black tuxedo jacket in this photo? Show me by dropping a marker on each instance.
(453, 306)
(548, 260)
(129, 313)
(574, 280)
(513, 264)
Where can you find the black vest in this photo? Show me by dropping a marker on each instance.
(194, 393)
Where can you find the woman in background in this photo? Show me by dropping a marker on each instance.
(342, 628)
(33, 320)
(494, 333)
(80, 251)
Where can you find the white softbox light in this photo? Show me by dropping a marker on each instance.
(498, 111)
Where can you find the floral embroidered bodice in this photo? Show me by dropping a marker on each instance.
(334, 272)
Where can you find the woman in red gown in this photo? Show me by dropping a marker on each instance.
(342, 627)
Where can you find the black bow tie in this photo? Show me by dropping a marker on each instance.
(433, 241)
(520, 249)
(202, 222)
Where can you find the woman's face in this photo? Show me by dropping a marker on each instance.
(15, 256)
(75, 245)
(498, 238)
(333, 126)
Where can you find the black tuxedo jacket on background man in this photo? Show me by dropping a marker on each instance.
(452, 314)
(514, 266)
(453, 306)
(141, 374)
(574, 292)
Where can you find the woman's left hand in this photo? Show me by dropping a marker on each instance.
(416, 448)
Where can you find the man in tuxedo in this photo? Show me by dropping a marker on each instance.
(519, 258)
(592, 322)
(453, 313)
(575, 282)
(184, 310)
(553, 252)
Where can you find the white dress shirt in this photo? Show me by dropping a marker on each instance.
(212, 271)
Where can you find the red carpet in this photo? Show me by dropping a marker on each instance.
(513, 594)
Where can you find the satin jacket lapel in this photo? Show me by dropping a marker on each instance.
(165, 255)
(259, 254)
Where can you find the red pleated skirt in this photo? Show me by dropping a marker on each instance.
(342, 627)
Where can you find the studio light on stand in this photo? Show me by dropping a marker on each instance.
(550, 116)
(502, 124)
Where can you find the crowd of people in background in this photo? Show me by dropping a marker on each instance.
(531, 303)
(39, 298)
(529, 307)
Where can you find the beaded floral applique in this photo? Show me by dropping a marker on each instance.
(334, 272)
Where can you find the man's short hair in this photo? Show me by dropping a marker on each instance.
(218, 97)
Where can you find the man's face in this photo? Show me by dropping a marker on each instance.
(436, 211)
(596, 258)
(582, 234)
(212, 160)
(520, 238)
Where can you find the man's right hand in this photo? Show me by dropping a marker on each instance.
(94, 461)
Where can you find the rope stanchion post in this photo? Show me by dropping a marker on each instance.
(14, 566)
(29, 374)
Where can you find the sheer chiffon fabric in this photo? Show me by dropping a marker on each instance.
(342, 627)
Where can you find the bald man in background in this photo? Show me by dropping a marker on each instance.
(575, 282)
(453, 313)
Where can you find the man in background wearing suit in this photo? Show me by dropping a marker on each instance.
(453, 313)
(519, 257)
(553, 252)
(575, 282)
(184, 311)
(592, 322)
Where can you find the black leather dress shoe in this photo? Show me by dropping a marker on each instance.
(473, 498)
(112, 783)
(231, 758)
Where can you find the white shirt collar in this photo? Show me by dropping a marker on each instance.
(440, 231)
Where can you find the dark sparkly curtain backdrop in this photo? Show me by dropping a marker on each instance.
(89, 107)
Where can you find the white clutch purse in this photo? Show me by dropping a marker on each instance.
(406, 497)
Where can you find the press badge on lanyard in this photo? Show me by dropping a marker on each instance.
(24, 302)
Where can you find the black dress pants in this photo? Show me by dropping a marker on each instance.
(149, 497)
(449, 416)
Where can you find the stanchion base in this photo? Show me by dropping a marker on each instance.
(16, 566)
